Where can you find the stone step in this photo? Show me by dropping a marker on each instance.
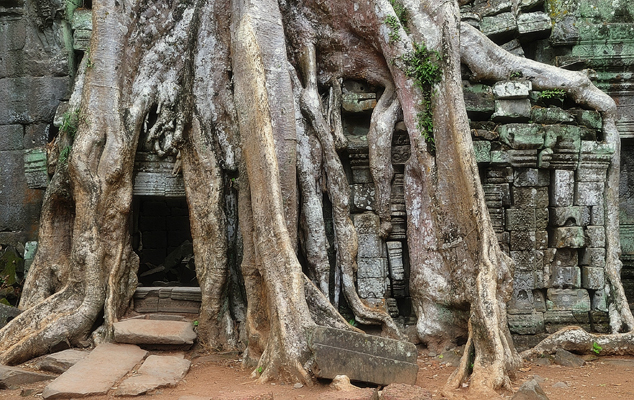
(14, 376)
(97, 373)
(61, 361)
(154, 333)
(156, 372)
(185, 300)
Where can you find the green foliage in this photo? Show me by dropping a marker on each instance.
(394, 26)
(70, 123)
(516, 74)
(11, 276)
(352, 322)
(401, 13)
(553, 94)
(423, 66)
(260, 370)
(596, 348)
(63, 155)
(195, 323)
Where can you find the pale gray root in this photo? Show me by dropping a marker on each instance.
(450, 233)
(100, 251)
(313, 229)
(382, 124)
(286, 348)
(333, 114)
(488, 61)
(203, 187)
(66, 316)
(339, 192)
(257, 323)
(573, 338)
(323, 311)
(51, 265)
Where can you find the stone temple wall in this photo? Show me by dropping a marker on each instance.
(541, 158)
(34, 78)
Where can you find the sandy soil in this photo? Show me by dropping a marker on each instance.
(221, 377)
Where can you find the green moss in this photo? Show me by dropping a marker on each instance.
(64, 154)
(401, 13)
(394, 26)
(69, 124)
(423, 66)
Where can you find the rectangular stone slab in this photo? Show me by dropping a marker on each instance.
(145, 331)
(97, 373)
(363, 357)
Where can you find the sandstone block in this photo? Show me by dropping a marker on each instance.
(522, 136)
(568, 299)
(95, 374)
(592, 277)
(596, 236)
(593, 257)
(61, 361)
(589, 193)
(156, 372)
(526, 324)
(531, 177)
(572, 236)
(143, 331)
(562, 190)
(520, 219)
(14, 376)
(512, 89)
(551, 115)
(374, 359)
(569, 216)
(512, 110)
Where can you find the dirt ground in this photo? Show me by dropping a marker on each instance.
(221, 377)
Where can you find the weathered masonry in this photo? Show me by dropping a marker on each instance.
(542, 162)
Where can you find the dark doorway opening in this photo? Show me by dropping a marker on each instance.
(163, 241)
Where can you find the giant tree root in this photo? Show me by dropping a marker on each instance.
(575, 339)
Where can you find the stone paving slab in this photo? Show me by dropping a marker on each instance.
(97, 373)
(156, 372)
(61, 361)
(13, 376)
(145, 331)
(363, 357)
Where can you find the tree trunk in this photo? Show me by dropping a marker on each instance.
(253, 88)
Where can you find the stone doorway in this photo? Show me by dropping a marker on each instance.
(163, 241)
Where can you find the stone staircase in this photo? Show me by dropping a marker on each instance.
(125, 367)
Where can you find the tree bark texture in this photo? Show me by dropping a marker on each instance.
(253, 88)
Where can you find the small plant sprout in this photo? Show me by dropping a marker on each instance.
(596, 348)
(195, 323)
(394, 25)
(553, 94)
(516, 74)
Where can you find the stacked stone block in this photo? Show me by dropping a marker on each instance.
(543, 174)
(382, 277)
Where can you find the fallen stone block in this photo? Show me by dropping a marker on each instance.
(530, 390)
(145, 331)
(399, 391)
(156, 372)
(14, 376)
(363, 357)
(61, 361)
(97, 373)
(535, 25)
(567, 359)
